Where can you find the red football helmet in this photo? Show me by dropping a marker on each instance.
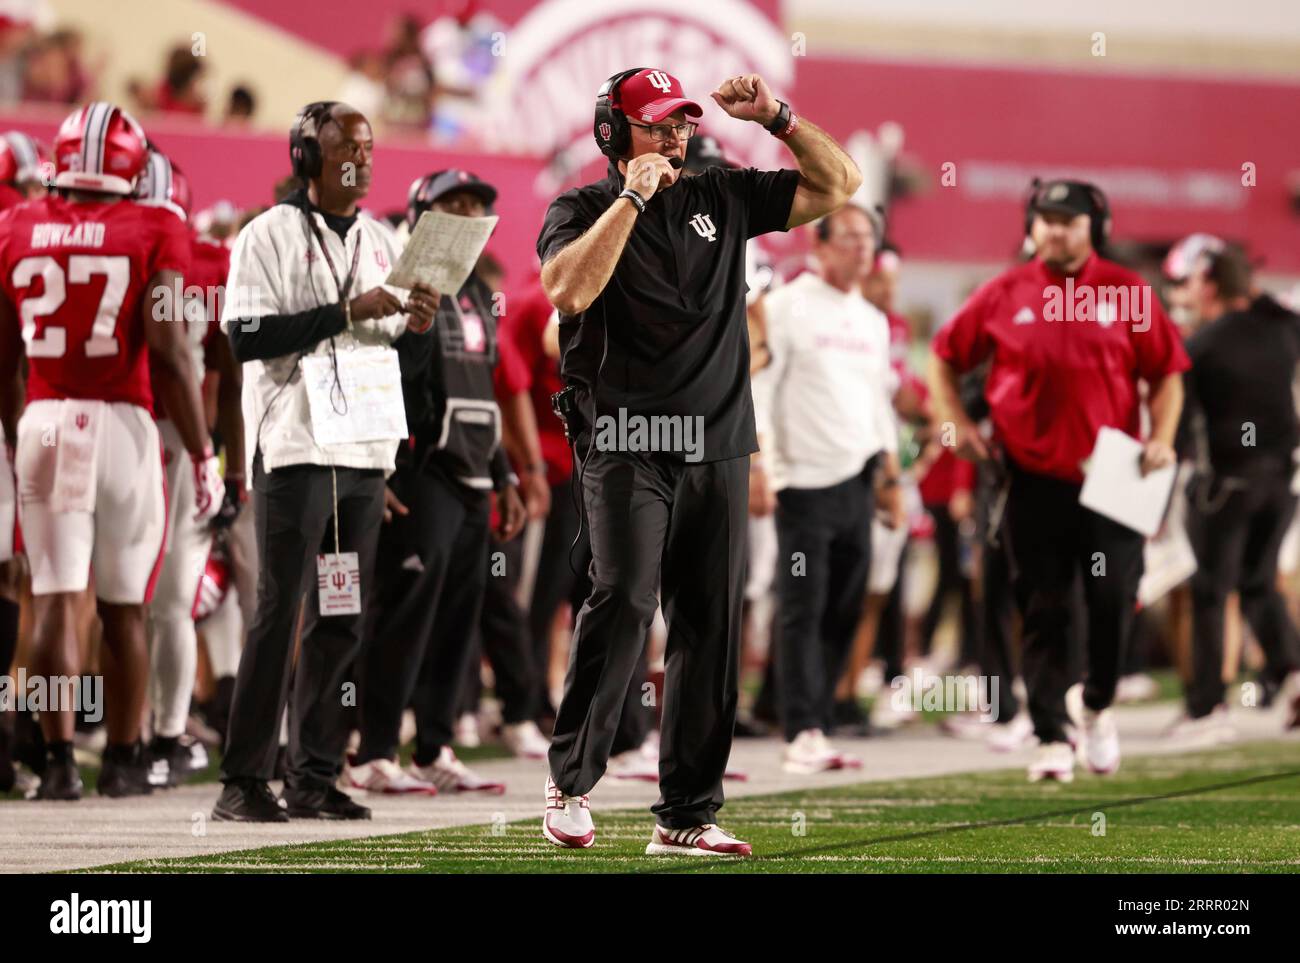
(23, 159)
(163, 185)
(100, 147)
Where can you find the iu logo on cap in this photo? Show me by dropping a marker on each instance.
(703, 225)
(660, 81)
(605, 131)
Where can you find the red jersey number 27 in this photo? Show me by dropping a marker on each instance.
(53, 339)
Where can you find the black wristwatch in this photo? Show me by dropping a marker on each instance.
(781, 121)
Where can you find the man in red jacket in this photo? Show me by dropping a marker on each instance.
(1069, 334)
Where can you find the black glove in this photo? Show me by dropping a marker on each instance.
(230, 505)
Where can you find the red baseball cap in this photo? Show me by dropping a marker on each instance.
(650, 95)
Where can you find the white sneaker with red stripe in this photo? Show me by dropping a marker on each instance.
(809, 753)
(567, 821)
(710, 839)
(1054, 761)
(449, 774)
(386, 776)
(1099, 746)
(525, 740)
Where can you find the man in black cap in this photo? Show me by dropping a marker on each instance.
(647, 272)
(1068, 336)
(435, 540)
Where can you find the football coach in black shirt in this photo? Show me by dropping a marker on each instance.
(647, 271)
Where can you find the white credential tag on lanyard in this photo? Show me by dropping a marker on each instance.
(338, 576)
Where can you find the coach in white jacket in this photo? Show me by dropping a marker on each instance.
(829, 448)
(306, 279)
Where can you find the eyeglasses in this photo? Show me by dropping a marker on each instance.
(659, 132)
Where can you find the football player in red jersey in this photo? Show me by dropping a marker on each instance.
(24, 169)
(87, 293)
(173, 642)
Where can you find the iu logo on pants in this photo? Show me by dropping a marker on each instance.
(703, 225)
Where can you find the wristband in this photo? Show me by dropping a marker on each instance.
(780, 122)
(635, 198)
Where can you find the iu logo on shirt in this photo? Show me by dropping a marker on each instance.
(382, 260)
(703, 225)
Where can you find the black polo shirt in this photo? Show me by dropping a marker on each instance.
(1243, 368)
(674, 309)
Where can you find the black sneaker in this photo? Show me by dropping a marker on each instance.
(249, 801)
(173, 760)
(124, 772)
(61, 780)
(747, 728)
(325, 803)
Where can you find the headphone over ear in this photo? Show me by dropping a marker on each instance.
(1100, 213)
(304, 147)
(611, 130)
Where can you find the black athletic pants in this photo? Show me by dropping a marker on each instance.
(426, 614)
(1054, 541)
(1236, 549)
(947, 543)
(293, 509)
(821, 591)
(657, 521)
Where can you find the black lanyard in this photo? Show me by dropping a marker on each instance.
(344, 286)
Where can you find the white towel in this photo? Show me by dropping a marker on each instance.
(77, 456)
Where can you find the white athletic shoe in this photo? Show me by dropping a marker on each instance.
(465, 733)
(1013, 735)
(812, 752)
(525, 740)
(1204, 732)
(1054, 760)
(386, 776)
(808, 753)
(885, 714)
(1099, 742)
(567, 821)
(965, 725)
(706, 840)
(634, 764)
(449, 774)
(1138, 687)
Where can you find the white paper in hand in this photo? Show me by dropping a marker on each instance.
(443, 249)
(1114, 486)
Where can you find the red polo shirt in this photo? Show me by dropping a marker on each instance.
(1066, 357)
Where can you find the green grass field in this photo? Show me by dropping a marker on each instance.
(1232, 810)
